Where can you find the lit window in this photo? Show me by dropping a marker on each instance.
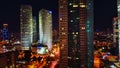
(70, 3)
(61, 6)
(63, 28)
(77, 18)
(82, 6)
(71, 11)
(82, 28)
(60, 18)
(81, 3)
(75, 6)
(26, 32)
(63, 33)
(73, 33)
(118, 7)
(76, 32)
(71, 20)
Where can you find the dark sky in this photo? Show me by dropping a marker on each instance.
(104, 11)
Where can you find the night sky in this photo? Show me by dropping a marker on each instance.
(104, 11)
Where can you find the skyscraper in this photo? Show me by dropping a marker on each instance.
(76, 33)
(115, 30)
(5, 32)
(26, 26)
(34, 29)
(45, 27)
(118, 9)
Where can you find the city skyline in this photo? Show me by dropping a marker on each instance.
(60, 33)
(104, 11)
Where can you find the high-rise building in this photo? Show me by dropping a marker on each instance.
(5, 32)
(45, 27)
(34, 30)
(76, 33)
(26, 25)
(115, 30)
(118, 9)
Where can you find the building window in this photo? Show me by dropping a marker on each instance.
(60, 19)
(71, 20)
(63, 28)
(73, 32)
(82, 6)
(76, 32)
(78, 18)
(63, 33)
(70, 3)
(61, 6)
(71, 11)
(83, 28)
(75, 6)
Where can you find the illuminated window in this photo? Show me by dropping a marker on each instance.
(73, 33)
(63, 33)
(118, 7)
(71, 11)
(88, 30)
(76, 32)
(81, 3)
(61, 6)
(77, 18)
(82, 6)
(60, 18)
(75, 6)
(26, 32)
(70, 3)
(71, 20)
(63, 28)
(83, 28)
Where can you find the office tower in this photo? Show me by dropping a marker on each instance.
(45, 27)
(5, 32)
(115, 30)
(76, 33)
(118, 9)
(0, 34)
(26, 24)
(34, 30)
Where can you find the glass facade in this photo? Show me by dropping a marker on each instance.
(45, 27)
(26, 25)
(34, 30)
